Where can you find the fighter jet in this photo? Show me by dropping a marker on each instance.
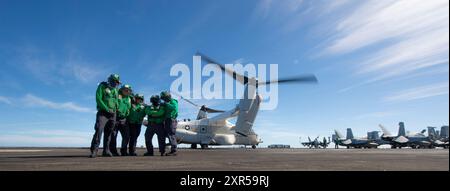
(312, 143)
(402, 140)
(316, 143)
(351, 142)
(374, 136)
(439, 138)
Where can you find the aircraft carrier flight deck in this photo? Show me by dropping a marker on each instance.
(63, 159)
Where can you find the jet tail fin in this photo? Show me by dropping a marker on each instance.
(401, 129)
(373, 135)
(432, 132)
(385, 131)
(444, 132)
(338, 134)
(349, 133)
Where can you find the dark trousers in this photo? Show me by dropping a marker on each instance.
(122, 127)
(170, 128)
(104, 122)
(151, 130)
(135, 131)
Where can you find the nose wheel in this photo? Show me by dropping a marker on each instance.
(193, 146)
(253, 146)
(204, 146)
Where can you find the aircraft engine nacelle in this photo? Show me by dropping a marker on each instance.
(224, 139)
(185, 136)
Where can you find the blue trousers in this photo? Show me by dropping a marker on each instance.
(151, 130)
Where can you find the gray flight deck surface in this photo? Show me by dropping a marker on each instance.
(230, 159)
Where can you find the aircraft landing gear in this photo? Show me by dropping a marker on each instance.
(204, 146)
(253, 146)
(193, 146)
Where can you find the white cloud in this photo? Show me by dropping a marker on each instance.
(286, 15)
(419, 92)
(336, 4)
(31, 100)
(52, 68)
(46, 138)
(5, 100)
(408, 37)
(34, 101)
(80, 69)
(27, 124)
(85, 73)
(410, 55)
(40, 64)
(263, 8)
(380, 20)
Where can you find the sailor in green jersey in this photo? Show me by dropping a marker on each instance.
(170, 123)
(155, 125)
(107, 103)
(137, 114)
(121, 126)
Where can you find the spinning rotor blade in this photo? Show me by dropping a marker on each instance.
(298, 79)
(244, 79)
(189, 101)
(238, 77)
(210, 110)
(203, 107)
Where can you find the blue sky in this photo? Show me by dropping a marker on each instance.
(377, 61)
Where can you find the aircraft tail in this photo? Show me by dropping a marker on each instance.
(338, 134)
(349, 133)
(373, 135)
(432, 132)
(401, 129)
(444, 131)
(248, 109)
(385, 131)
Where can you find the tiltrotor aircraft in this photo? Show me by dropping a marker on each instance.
(218, 130)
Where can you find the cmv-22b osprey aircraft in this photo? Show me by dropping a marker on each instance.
(218, 130)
